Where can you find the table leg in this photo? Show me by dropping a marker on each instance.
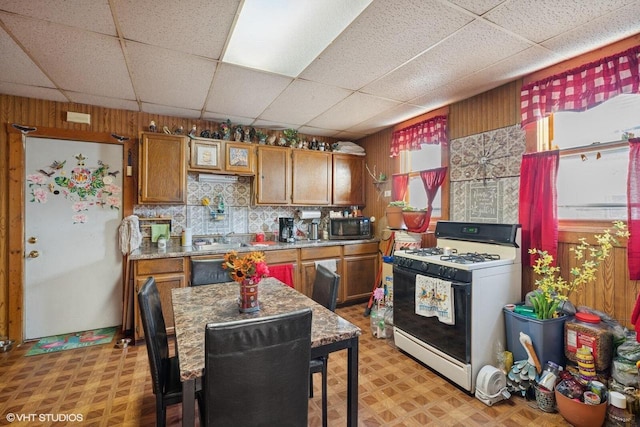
(352, 383)
(188, 403)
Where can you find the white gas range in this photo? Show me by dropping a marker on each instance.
(448, 300)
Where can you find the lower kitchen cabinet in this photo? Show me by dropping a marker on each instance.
(308, 258)
(169, 273)
(284, 257)
(359, 271)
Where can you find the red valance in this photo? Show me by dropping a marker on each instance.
(581, 88)
(430, 131)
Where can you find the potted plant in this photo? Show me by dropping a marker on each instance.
(543, 320)
(394, 214)
(414, 218)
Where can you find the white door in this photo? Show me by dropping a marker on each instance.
(73, 267)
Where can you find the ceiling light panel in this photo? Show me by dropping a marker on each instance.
(284, 36)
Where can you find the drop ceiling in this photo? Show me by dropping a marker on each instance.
(396, 60)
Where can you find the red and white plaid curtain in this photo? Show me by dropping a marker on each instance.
(431, 131)
(633, 209)
(581, 88)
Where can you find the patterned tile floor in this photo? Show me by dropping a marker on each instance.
(108, 387)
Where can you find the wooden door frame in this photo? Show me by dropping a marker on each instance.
(16, 208)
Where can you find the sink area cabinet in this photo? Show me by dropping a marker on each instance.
(359, 271)
(162, 169)
(169, 273)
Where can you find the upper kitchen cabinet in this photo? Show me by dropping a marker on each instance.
(348, 179)
(311, 178)
(162, 169)
(206, 155)
(273, 176)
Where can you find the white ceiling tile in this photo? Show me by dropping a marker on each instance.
(384, 36)
(388, 118)
(309, 130)
(92, 15)
(274, 125)
(237, 120)
(540, 20)
(590, 36)
(170, 78)
(75, 59)
(472, 48)
(349, 136)
(16, 66)
(351, 111)
(478, 7)
(166, 110)
(32, 92)
(243, 92)
(302, 101)
(104, 101)
(199, 27)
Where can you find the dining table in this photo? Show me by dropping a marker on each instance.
(196, 306)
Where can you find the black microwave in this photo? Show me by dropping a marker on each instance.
(349, 228)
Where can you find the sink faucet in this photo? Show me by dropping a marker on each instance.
(225, 239)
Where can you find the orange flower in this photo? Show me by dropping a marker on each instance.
(252, 266)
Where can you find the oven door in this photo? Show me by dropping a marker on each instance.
(454, 340)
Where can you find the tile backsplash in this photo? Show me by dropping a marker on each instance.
(239, 216)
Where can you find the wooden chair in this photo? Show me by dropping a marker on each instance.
(208, 271)
(325, 293)
(257, 371)
(165, 370)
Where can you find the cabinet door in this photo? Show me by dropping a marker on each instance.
(273, 177)
(162, 169)
(311, 178)
(359, 276)
(348, 179)
(164, 282)
(308, 276)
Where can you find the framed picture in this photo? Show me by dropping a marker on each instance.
(205, 155)
(238, 157)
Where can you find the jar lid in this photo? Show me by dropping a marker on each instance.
(587, 317)
(617, 399)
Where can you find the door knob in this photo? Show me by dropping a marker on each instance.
(33, 254)
(33, 239)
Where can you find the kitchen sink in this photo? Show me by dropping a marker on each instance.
(217, 246)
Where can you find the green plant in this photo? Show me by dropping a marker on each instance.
(408, 208)
(553, 289)
(398, 203)
(290, 135)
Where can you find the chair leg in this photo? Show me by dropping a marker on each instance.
(310, 385)
(324, 393)
(161, 412)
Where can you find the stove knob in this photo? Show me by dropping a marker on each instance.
(442, 270)
(424, 266)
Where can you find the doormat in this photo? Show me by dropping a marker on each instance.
(73, 340)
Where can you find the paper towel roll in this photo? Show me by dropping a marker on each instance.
(309, 214)
(187, 237)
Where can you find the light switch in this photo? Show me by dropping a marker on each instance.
(387, 193)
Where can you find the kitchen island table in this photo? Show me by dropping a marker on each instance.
(194, 307)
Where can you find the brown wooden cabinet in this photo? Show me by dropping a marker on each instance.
(359, 271)
(348, 179)
(168, 273)
(308, 258)
(284, 256)
(273, 176)
(162, 169)
(312, 171)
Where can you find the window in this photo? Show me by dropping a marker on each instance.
(429, 157)
(594, 154)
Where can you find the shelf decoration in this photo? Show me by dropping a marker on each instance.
(379, 179)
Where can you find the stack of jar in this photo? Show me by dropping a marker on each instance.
(589, 343)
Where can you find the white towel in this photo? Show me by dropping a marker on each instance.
(329, 263)
(130, 235)
(434, 297)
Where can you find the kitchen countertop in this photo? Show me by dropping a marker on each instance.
(175, 251)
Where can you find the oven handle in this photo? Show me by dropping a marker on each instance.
(414, 273)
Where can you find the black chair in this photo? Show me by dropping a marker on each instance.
(257, 371)
(208, 271)
(165, 370)
(325, 293)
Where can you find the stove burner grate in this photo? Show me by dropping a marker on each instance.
(470, 258)
(430, 251)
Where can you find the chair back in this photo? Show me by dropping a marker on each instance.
(325, 287)
(257, 371)
(208, 271)
(155, 333)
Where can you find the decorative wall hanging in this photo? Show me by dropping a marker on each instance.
(84, 186)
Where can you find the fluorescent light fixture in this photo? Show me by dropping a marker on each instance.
(284, 36)
(208, 177)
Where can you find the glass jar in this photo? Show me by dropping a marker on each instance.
(587, 330)
(549, 376)
(617, 413)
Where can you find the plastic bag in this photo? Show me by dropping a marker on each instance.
(381, 321)
(629, 350)
(624, 372)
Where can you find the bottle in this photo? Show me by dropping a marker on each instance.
(549, 376)
(220, 204)
(617, 413)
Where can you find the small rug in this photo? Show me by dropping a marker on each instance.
(74, 340)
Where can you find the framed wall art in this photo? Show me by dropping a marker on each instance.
(205, 155)
(238, 157)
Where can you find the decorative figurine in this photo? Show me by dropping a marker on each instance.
(205, 133)
(193, 131)
(152, 126)
(225, 127)
(238, 134)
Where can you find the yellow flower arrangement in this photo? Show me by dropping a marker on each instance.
(251, 266)
(553, 289)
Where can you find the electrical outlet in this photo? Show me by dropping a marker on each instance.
(387, 193)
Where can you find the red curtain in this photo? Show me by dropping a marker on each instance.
(581, 88)
(538, 203)
(432, 179)
(431, 131)
(399, 185)
(633, 209)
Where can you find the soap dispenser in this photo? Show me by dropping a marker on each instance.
(220, 204)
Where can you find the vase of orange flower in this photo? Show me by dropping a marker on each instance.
(247, 271)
